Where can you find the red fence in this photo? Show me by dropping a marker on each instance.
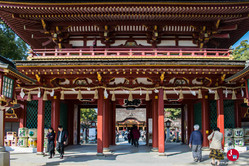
(131, 52)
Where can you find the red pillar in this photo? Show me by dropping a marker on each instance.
(220, 113)
(237, 113)
(110, 123)
(113, 123)
(40, 126)
(106, 119)
(22, 122)
(100, 122)
(161, 132)
(155, 123)
(55, 114)
(205, 120)
(190, 118)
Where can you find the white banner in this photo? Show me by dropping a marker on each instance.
(92, 134)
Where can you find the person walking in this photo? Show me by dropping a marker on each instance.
(51, 138)
(216, 153)
(136, 135)
(195, 143)
(61, 141)
(129, 136)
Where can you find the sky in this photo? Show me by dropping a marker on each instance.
(245, 37)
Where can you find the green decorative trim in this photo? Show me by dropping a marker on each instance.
(31, 114)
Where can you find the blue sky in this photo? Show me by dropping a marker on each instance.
(245, 37)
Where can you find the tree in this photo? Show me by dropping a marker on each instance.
(88, 115)
(172, 113)
(11, 46)
(242, 51)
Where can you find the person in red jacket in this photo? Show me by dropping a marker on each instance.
(136, 135)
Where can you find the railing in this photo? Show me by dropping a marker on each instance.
(129, 53)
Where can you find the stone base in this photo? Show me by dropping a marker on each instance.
(17, 149)
(154, 149)
(4, 158)
(106, 150)
(162, 154)
(39, 153)
(100, 154)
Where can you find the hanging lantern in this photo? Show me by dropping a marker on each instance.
(164, 95)
(216, 95)
(234, 95)
(181, 95)
(79, 96)
(130, 98)
(62, 95)
(199, 94)
(29, 96)
(113, 96)
(147, 98)
(45, 97)
(96, 95)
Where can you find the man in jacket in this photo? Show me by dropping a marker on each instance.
(195, 142)
(61, 141)
(136, 135)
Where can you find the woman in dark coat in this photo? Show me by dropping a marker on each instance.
(51, 137)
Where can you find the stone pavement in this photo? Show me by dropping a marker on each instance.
(121, 155)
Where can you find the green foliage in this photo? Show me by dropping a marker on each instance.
(172, 113)
(11, 46)
(242, 51)
(87, 115)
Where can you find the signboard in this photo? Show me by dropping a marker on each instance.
(150, 130)
(133, 103)
(150, 125)
(92, 134)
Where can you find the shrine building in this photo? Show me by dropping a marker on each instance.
(105, 54)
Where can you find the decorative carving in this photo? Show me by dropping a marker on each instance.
(99, 77)
(141, 80)
(179, 81)
(116, 81)
(162, 77)
(84, 81)
(202, 81)
(38, 78)
(59, 81)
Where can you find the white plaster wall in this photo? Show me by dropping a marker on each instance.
(186, 43)
(89, 43)
(167, 43)
(118, 42)
(76, 43)
(143, 42)
(99, 43)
